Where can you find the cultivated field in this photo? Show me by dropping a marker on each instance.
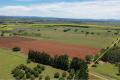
(52, 48)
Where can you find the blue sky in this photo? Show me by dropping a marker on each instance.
(28, 2)
(92, 9)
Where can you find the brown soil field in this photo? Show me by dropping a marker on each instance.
(51, 47)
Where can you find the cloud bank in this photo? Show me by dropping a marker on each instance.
(99, 9)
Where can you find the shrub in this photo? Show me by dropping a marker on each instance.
(56, 75)
(72, 72)
(39, 65)
(76, 30)
(36, 68)
(69, 77)
(47, 78)
(28, 60)
(16, 49)
(64, 74)
(28, 75)
(24, 78)
(61, 78)
(38, 29)
(43, 68)
(32, 77)
(21, 75)
(40, 77)
(16, 72)
(89, 58)
(36, 73)
(94, 65)
(39, 70)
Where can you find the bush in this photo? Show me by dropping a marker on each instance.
(56, 75)
(72, 72)
(94, 65)
(64, 74)
(16, 49)
(39, 65)
(28, 75)
(89, 58)
(76, 30)
(61, 78)
(36, 73)
(69, 77)
(39, 70)
(43, 68)
(47, 78)
(40, 77)
(32, 77)
(28, 60)
(21, 75)
(24, 78)
(36, 68)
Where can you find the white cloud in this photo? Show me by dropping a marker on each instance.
(100, 9)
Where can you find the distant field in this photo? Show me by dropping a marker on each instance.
(97, 37)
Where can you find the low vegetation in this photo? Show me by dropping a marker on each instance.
(22, 71)
(16, 49)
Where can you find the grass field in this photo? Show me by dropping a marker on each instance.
(9, 60)
(101, 38)
(98, 36)
(107, 69)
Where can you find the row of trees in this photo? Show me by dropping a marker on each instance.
(112, 56)
(62, 62)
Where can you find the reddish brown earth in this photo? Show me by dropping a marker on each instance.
(50, 47)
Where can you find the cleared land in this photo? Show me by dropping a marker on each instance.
(52, 48)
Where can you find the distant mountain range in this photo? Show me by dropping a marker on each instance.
(34, 19)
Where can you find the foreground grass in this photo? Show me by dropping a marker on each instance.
(9, 60)
(107, 70)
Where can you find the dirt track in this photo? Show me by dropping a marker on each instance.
(50, 47)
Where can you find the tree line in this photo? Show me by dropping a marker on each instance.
(63, 62)
(112, 56)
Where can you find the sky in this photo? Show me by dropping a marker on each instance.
(78, 9)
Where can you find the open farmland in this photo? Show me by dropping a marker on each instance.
(76, 34)
(52, 48)
(75, 41)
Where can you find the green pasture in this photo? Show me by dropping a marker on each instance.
(98, 36)
(9, 60)
(107, 70)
